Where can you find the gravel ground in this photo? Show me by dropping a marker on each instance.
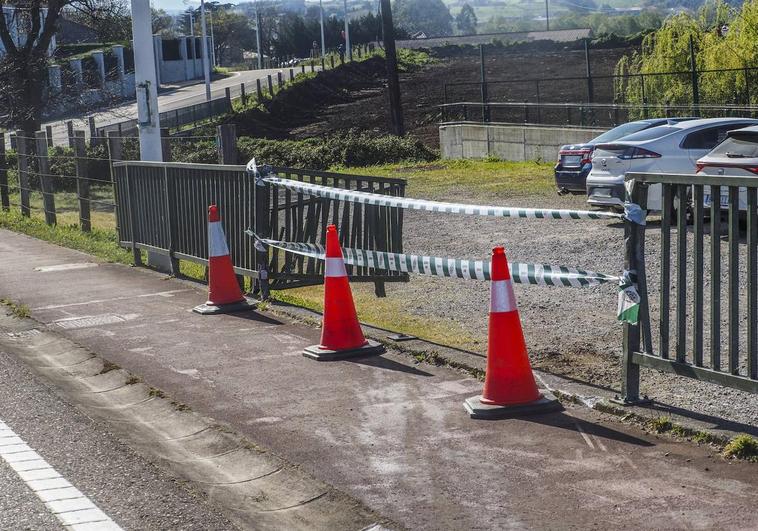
(571, 332)
(131, 490)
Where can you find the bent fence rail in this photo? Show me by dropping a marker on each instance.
(728, 353)
(162, 208)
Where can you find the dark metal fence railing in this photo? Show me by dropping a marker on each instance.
(162, 208)
(715, 334)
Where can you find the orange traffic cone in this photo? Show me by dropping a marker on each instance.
(224, 293)
(509, 386)
(341, 334)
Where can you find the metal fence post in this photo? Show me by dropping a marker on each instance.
(4, 192)
(694, 74)
(634, 263)
(483, 83)
(261, 191)
(279, 80)
(82, 181)
(270, 86)
(292, 74)
(23, 172)
(170, 207)
(45, 178)
(228, 96)
(243, 94)
(258, 89)
(49, 135)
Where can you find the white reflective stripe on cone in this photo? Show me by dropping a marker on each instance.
(335, 267)
(216, 240)
(502, 298)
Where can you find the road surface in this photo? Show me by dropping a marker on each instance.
(389, 432)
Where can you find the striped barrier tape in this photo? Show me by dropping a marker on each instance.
(368, 198)
(536, 274)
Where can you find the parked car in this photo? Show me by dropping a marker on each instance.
(737, 155)
(575, 160)
(670, 148)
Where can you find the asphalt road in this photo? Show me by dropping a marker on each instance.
(133, 492)
(170, 98)
(386, 430)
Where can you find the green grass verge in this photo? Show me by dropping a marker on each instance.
(475, 178)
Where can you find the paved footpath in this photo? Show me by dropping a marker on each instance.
(386, 430)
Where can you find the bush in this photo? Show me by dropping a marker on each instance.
(345, 149)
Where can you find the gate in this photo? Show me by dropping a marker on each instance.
(728, 353)
(162, 208)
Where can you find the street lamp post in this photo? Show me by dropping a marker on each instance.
(258, 36)
(206, 61)
(323, 40)
(348, 49)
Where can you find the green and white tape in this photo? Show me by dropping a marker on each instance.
(367, 198)
(536, 274)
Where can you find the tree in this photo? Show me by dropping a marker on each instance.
(23, 65)
(163, 23)
(466, 20)
(110, 19)
(430, 16)
(231, 29)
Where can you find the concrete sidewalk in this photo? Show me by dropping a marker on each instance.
(386, 430)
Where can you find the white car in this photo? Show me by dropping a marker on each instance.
(738, 156)
(671, 148)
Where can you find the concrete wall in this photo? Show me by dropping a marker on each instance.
(517, 142)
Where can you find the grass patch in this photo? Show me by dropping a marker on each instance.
(102, 243)
(661, 425)
(19, 311)
(388, 313)
(133, 380)
(108, 367)
(742, 447)
(485, 178)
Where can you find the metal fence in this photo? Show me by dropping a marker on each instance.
(728, 353)
(174, 119)
(582, 114)
(162, 208)
(294, 217)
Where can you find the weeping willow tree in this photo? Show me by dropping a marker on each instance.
(665, 57)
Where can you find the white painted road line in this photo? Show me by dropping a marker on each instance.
(169, 293)
(66, 502)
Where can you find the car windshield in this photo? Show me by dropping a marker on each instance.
(652, 133)
(738, 146)
(620, 131)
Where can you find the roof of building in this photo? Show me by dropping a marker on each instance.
(568, 35)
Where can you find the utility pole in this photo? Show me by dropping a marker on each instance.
(258, 36)
(348, 49)
(393, 83)
(213, 43)
(206, 61)
(323, 40)
(547, 15)
(191, 24)
(146, 82)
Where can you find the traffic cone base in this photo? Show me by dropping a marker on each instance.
(319, 353)
(546, 403)
(239, 306)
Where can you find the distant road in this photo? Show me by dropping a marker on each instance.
(169, 99)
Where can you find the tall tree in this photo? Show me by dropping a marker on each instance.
(466, 20)
(27, 28)
(430, 16)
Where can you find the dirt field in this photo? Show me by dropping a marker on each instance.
(355, 97)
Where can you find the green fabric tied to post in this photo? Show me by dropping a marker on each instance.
(629, 300)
